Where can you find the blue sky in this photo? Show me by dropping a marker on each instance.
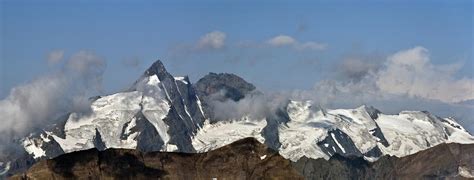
(396, 55)
(146, 31)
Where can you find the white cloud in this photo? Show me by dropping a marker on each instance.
(212, 40)
(407, 73)
(285, 40)
(281, 40)
(55, 56)
(410, 72)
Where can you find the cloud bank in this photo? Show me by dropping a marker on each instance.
(404, 80)
(254, 106)
(407, 73)
(411, 72)
(33, 105)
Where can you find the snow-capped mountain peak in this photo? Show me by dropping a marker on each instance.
(159, 113)
(166, 113)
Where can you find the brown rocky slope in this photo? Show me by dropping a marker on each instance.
(249, 159)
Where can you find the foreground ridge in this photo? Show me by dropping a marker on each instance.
(243, 159)
(249, 159)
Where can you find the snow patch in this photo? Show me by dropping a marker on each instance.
(465, 172)
(33, 147)
(371, 159)
(171, 148)
(6, 167)
(182, 79)
(153, 80)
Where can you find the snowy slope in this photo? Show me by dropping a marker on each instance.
(215, 135)
(319, 133)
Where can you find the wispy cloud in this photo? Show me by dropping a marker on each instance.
(285, 40)
(55, 56)
(281, 40)
(212, 40)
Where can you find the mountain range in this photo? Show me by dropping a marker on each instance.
(165, 113)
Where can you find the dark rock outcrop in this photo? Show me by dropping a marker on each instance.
(335, 142)
(234, 86)
(98, 142)
(270, 131)
(243, 159)
(221, 87)
(148, 138)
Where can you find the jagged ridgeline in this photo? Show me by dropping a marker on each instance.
(162, 112)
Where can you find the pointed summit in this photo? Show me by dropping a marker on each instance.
(157, 68)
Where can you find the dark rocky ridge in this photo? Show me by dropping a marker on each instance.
(439, 162)
(243, 159)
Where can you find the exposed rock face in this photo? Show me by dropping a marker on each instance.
(243, 159)
(184, 116)
(445, 161)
